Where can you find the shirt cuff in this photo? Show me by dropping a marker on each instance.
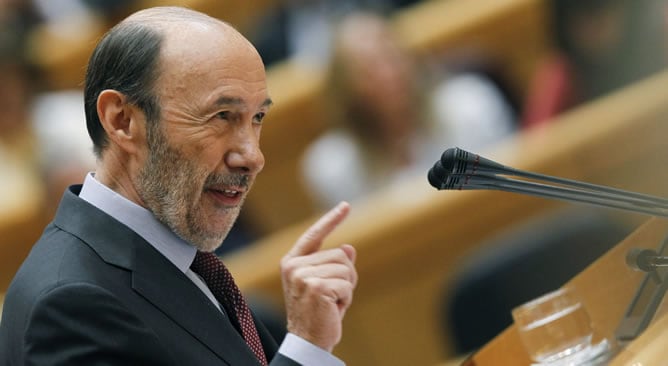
(307, 353)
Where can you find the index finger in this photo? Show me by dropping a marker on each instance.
(312, 238)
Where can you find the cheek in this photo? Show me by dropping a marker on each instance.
(208, 153)
(204, 147)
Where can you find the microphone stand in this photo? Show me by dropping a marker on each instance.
(649, 295)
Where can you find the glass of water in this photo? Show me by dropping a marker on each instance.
(555, 328)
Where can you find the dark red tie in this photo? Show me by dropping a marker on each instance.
(220, 282)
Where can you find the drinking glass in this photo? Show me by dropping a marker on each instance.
(555, 328)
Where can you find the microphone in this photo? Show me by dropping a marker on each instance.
(461, 170)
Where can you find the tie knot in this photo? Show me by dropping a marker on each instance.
(204, 262)
(215, 274)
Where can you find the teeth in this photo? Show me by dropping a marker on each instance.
(227, 191)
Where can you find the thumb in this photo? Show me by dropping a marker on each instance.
(311, 240)
(350, 251)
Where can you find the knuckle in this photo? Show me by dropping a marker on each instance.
(288, 267)
(315, 285)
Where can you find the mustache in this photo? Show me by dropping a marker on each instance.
(227, 179)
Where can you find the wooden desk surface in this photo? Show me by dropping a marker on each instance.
(648, 349)
(606, 287)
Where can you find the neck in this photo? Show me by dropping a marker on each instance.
(115, 172)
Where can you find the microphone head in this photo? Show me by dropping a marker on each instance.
(455, 160)
(448, 159)
(437, 175)
(445, 174)
(440, 177)
(455, 164)
(458, 161)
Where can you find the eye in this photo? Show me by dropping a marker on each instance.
(223, 115)
(259, 117)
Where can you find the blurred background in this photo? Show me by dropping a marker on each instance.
(368, 94)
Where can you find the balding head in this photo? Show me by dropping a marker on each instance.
(165, 15)
(128, 59)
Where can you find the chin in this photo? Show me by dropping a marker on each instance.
(209, 243)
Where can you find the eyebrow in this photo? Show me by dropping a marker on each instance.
(238, 101)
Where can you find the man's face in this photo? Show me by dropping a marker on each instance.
(204, 153)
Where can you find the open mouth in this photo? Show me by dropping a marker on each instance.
(228, 196)
(228, 192)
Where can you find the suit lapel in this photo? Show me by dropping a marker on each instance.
(175, 295)
(154, 277)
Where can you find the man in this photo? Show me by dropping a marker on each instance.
(174, 105)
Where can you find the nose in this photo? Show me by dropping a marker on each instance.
(245, 155)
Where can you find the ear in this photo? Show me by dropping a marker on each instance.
(123, 124)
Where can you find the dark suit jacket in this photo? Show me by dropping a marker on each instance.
(94, 292)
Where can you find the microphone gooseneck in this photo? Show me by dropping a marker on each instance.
(461, 170)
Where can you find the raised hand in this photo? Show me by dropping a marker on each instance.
(318, 284)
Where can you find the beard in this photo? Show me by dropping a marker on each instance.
(172, 187)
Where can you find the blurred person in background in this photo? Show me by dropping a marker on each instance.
(392, 117)
(16, 88)
(18, 80)
(302, 29)
(19, 160)
(71, 15)
(41, 128)
(63, 148)
(599, 46)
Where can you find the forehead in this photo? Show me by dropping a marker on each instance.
(209, 56)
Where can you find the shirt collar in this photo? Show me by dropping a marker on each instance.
(140, 220)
